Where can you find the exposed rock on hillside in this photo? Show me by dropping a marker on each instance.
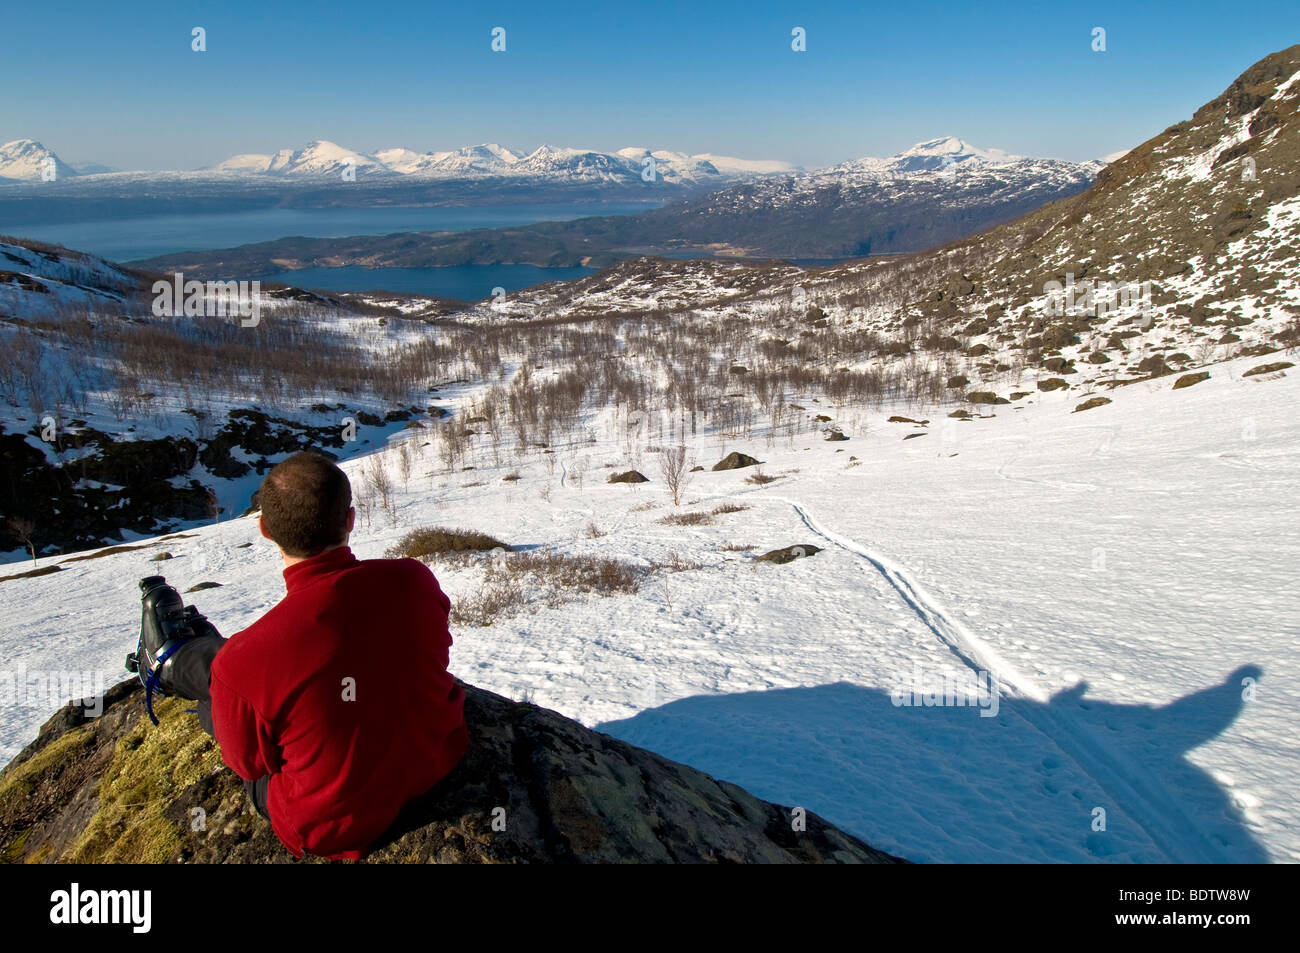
(629, 476)
(84, 488)
(734, 461)
(789, 553)
(116, 789)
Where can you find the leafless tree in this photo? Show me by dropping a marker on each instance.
(404, 461)
(22, 529)
(675, 469)
(376, 475)
(362, 500)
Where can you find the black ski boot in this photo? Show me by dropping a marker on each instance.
(166, 625)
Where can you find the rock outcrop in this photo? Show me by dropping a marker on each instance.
(789, 553)
(534, 787)
(735, 461)
(629, 476)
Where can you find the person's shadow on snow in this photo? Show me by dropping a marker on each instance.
(1073, 780)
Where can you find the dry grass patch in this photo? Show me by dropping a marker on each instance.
(687, 519)
(726, 508)
(422, 543)
(110, 551)
(513, 582)
(31, 573)
(676, 562)
(501, 596)
(600, 574)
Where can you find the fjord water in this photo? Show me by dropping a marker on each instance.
(130, 239)
(463, 282)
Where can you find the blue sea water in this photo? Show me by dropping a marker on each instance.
(464, 282)
(126, 240)
(130, 239)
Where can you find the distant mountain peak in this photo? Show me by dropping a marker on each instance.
(945, 151)
(27, 160)
(318, 157)
(952, 146)
(944, 145)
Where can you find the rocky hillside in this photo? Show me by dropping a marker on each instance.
(1203, 219)
(114, 789)
(39, 280)
(1184, 253)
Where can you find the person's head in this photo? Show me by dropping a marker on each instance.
(306, 504)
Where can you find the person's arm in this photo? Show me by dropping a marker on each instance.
(189, 671)
(440, 617)
(240, 731)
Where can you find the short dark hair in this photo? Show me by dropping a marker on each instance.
(305, 501)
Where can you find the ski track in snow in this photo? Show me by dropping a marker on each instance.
(1024, 444)
(1145, 799)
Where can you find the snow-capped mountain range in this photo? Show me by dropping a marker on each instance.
(946, 171)
(491, 160)
(24, 160)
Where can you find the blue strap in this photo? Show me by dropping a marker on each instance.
(151, 683)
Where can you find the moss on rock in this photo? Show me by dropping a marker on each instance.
(116, 789)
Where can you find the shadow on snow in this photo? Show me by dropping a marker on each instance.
(945, 784)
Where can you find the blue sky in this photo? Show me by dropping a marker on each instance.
(119, 84)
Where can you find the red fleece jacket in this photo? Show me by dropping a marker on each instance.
(341, 693)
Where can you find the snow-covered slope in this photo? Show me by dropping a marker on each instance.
(471, 161)
(247, 162)
(40, 282)
(730, 165)
(1123, 575)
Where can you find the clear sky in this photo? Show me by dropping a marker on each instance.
(118, 83)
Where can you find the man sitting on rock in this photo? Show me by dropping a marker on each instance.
(335, 707)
